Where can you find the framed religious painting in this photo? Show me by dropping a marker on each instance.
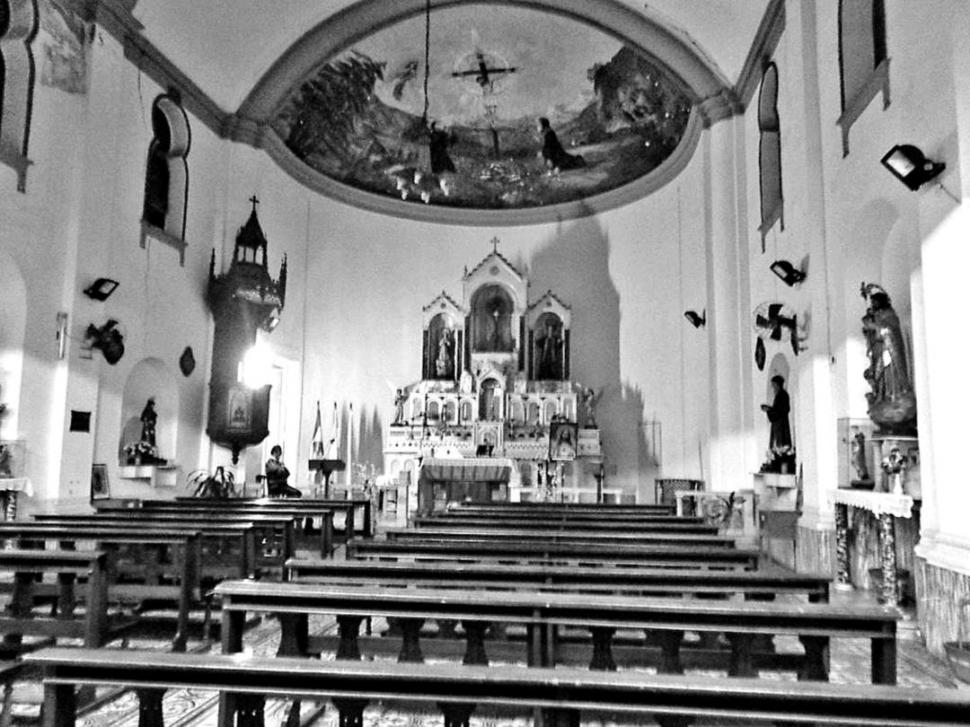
(239, 410)
(563, 437)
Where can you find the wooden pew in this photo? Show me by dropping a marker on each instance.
(569, 508)
(165, 565)
(29, 567)
(813, 623)
(663, 523)
(565, 553)
(761, 584)
(233, 547)
(206, 508)
(561, 697)
(524, 534)
(356, 512)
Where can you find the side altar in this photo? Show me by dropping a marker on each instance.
(496, 383)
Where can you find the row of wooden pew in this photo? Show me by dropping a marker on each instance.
(553, 587)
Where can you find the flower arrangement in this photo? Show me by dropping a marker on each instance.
(894, 463)
(779, 459)
(220, 484)
(141, 453)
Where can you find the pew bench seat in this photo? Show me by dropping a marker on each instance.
(558, 696)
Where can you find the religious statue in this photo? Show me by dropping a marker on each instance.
(148, 419)
(589, 397)
(465, 382)
(550, 353)
(5, 464)
(400, 398)
(859, 457)
(892, 402)
(779, 435)
(444, 365)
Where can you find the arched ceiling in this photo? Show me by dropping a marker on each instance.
(617, 80)
(226, 46)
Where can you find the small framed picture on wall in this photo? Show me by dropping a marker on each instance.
(100, 490)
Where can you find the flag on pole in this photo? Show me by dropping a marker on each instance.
(317, 439)
(332, 446)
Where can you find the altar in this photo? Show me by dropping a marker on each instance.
(886, 507)
(478, 479)
(495, 388)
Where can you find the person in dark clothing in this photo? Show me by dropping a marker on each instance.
(555, 156)
(277, 475)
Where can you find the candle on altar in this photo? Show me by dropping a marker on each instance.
(350, 448)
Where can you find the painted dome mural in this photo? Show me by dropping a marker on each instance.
(486, 108)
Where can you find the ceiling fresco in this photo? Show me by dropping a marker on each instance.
(515, 108)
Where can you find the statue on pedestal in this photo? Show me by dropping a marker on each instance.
(892, 402)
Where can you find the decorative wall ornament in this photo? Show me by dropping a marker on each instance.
(187, 361)
(108, 339)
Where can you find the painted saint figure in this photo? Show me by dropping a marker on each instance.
(550, 353)
(556, 157)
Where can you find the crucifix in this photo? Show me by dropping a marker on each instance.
(255, 201)
(485, 77)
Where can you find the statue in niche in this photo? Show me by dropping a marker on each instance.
(444, 364)
(148, 420)
(465, 382)
(549, 347)
(400, 399)
(892, 402)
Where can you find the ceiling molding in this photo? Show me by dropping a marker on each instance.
(762, 50)
(267, 139)
(115, 17)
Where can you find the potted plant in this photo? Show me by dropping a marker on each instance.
(219, 484)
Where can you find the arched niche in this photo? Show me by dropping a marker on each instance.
(150, 378)
(13, 327)
(779, 366)
(549, 354)
(865, 261)
(492, 311)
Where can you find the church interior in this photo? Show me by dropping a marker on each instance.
(458, 344)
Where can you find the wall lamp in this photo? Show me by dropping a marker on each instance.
(101, 289)
(696, 320)
(910, 166)
(787, 273)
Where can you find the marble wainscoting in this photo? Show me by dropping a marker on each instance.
(816, 551)
(940, 592)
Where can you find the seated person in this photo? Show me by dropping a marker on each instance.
(277, 475)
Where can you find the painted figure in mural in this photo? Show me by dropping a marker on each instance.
(892, 403)
(780, 433)
(550, 353)
(277, 475)
(148, 419)
(556, 157)
(444, 364)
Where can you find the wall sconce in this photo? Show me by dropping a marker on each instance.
(101, 289)
(696, 320)
(910, 166)
(787, 273)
